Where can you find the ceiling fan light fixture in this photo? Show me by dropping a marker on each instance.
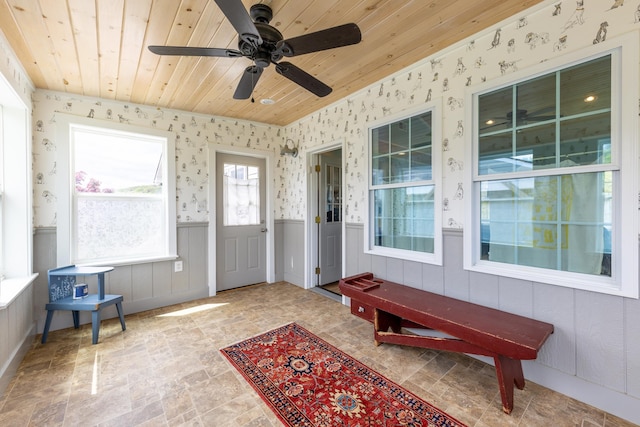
(267, 101)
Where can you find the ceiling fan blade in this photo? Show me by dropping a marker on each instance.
(542, 114)
(303, 78)
(543, 110)
(343, 35)
(195, 51)
(540, 118)
(248, 82)
(236, 13)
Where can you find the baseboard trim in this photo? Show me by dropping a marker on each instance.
(619, 404)
(10, 368)
(137, 306)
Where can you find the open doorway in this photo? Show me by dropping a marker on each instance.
(326, 206)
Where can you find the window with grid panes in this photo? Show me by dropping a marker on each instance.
(549, 178)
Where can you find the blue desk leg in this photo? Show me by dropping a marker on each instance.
(101, 285)
(121, 315)
(95, 325)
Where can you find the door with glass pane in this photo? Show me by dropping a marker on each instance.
(240, 221)
(330, 238)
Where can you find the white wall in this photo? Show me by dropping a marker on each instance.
(193, 132)
(594, 354)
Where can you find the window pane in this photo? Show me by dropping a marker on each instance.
(536, 147)
(496, 153)
(586, 140)
(112, 163)
(399, 136)
(421, 131)
(401, 151)
(380, 140)
(584, 122)
(404, 218)
(334, 194)
(421, 165)
(110, 227)
(241, 195)
(493, 108)
(400, 168)
(380, 170)
(536, 101)
(556, 222)
(579, 83)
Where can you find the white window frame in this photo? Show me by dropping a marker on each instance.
(1, 194)
(436, 180)
(624, 139)
(66, 183)
(16, 186)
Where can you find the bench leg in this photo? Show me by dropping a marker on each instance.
(509, 372)
(383, 321)
(47, 325)
(121, 315)
(76, 318)
(95, 325)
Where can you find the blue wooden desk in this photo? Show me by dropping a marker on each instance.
(73, 270)
(61, 281)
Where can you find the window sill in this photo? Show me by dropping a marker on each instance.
(10, 289)
(422, 257)
(131, 261)
(585, 282)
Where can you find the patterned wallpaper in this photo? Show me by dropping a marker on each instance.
(547, 32)
(13, 72)
(552, 30)
(192, 132)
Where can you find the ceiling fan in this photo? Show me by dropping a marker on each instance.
(265, 45)
(522, 116)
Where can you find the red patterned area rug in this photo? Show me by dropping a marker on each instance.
(308, 382)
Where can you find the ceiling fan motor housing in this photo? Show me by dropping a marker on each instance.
(261, 13)
(265, 53)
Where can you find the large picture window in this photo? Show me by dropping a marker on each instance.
(122, 207)
(549, 194)
(404, 213)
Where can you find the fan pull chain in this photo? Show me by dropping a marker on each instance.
(253, 101)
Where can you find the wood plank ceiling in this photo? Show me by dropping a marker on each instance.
(98, 48)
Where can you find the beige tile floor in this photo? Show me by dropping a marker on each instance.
(166, 369)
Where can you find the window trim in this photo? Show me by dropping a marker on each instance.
(17, 199)
(2, 262)
(65, 183)
(435, 258)
(624, 136)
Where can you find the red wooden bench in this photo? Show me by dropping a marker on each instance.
(473, 328)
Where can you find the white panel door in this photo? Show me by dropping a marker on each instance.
(240, 221)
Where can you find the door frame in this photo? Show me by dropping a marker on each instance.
(269, 158)
(311, 235)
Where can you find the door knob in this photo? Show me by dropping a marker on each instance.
(263, 230)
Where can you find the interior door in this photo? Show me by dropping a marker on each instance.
(240, 221)
(330, 238)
